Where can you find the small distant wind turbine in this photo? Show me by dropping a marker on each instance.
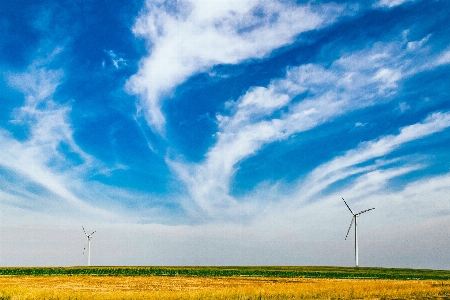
(88, 242)
(355, 218)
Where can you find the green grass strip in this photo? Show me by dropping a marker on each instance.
(279, 272)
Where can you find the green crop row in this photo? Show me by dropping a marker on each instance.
(285, 272)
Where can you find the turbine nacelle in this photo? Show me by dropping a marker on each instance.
(354, 218)
(90, 235)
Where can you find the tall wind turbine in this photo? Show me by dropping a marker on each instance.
(355, 219)
(88, 242)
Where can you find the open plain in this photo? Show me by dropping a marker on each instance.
(223, 283)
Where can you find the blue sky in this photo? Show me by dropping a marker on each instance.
(225, 132)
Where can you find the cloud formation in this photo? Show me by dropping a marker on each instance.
(390, 3)
(42, 157)
(265, 115)
(368, 159)
(192, 36)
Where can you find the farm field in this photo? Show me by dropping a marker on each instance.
(89, 284)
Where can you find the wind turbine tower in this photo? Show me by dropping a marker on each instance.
(355, 219)
(88, 242)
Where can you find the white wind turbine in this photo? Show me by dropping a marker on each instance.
(88, 242)
(355, 218)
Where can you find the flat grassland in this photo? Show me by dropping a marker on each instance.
(223, 283)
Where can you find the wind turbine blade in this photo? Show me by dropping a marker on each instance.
(93, 233)
(84, 230)
(351, 223)
(348, 207)
(361, 212)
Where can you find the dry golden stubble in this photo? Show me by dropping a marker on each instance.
(162, 287)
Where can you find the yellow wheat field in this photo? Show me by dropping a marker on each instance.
(156, 287)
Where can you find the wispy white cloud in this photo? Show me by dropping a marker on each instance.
(39, 157)
(195, 35)
(390, 3)
(443, 58)
(364, 78)
(356, 161)
(413, 45)
(117, 61)
(403, 106)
